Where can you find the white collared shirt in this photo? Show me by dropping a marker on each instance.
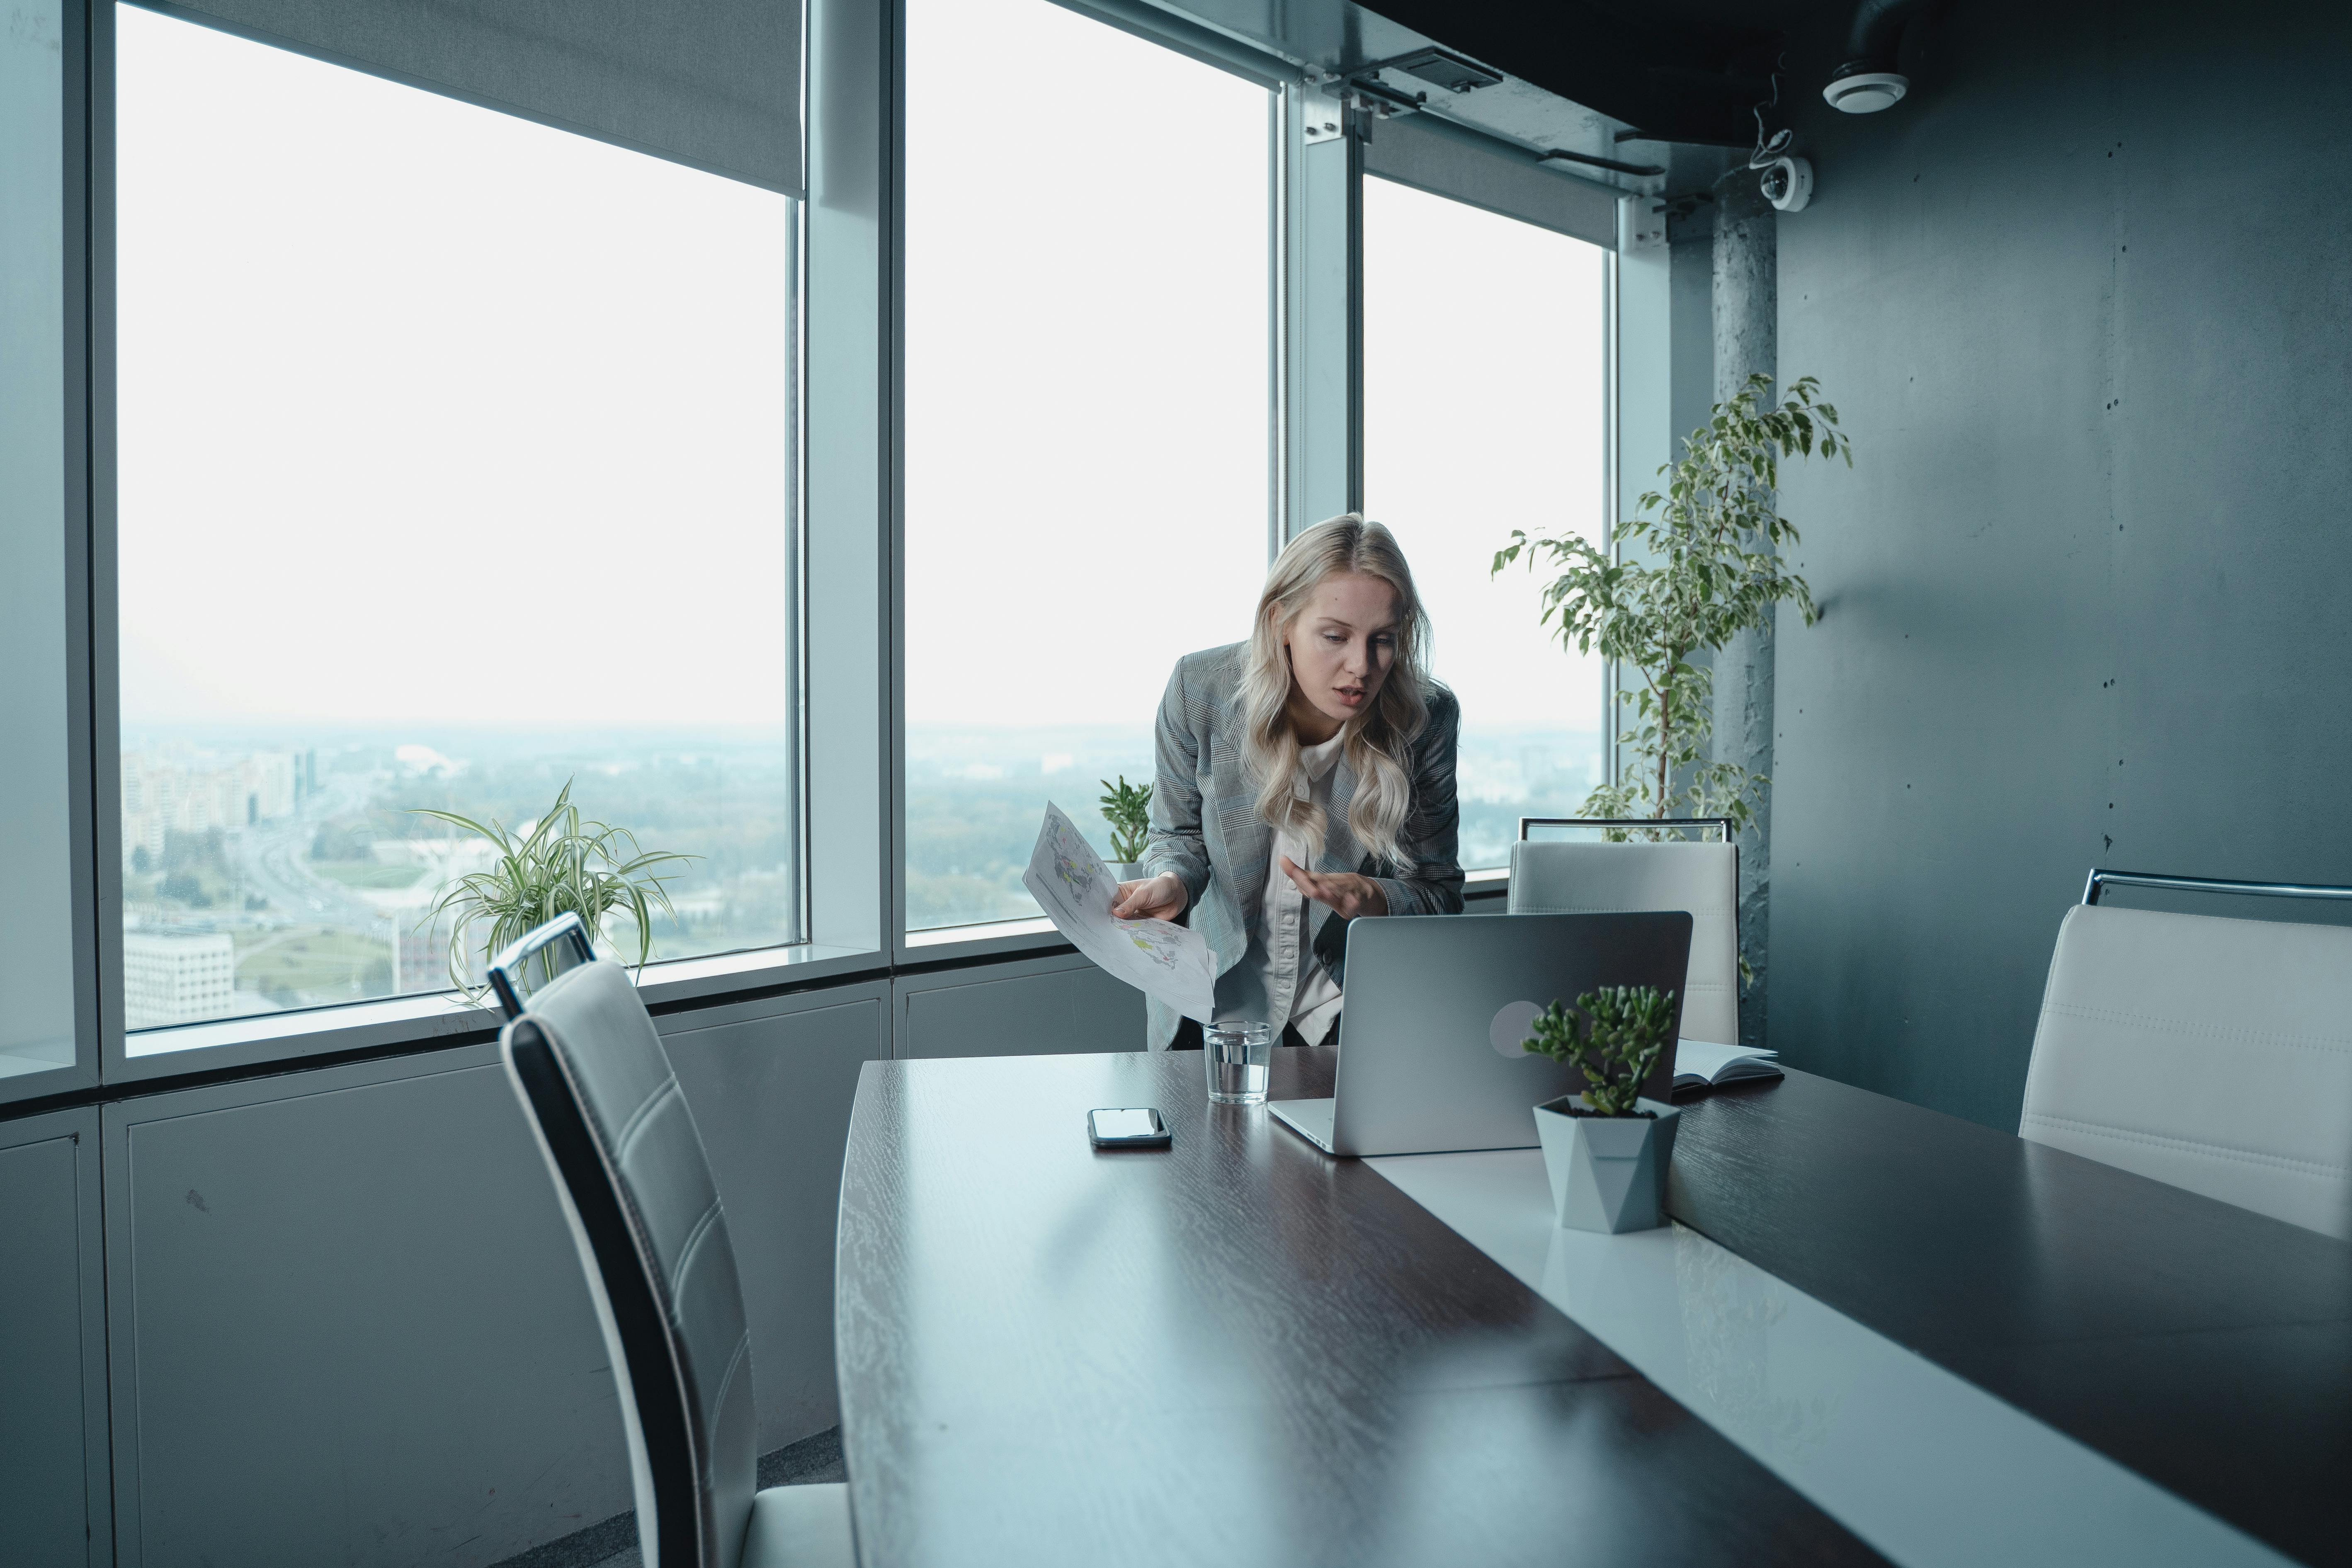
(1298, 989)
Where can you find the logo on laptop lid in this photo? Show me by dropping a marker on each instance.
(1512, 1026)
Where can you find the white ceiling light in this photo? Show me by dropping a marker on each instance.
(1867, 93)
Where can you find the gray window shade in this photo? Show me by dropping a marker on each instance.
(711, 83)
(1433, 155)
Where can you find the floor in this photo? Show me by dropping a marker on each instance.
(613, 1543)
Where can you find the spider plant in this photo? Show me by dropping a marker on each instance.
(564, 865)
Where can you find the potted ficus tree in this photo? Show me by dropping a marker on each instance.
(1700, 564)
(1127, 809)
(1605, 1147)
(562, 865)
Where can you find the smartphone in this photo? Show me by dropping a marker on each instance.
(1135, 1128)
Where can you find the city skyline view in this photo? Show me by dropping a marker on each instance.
(269, 868)
(431, 420)
(321, 877)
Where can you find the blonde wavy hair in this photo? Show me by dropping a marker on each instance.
(1378, 742)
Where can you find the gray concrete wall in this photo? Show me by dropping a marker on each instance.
(1691, 239)
(1746, 331)
(2085, 302)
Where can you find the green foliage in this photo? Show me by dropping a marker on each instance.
(206, 851)
(303, 967)
(1615, 1044)
(564, 865)
(181, 886)
(1700, 566)
(370, 873)
(338, 841)
(1128, 809)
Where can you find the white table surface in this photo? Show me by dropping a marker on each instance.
(1925, 1467)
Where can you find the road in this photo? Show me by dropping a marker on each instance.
(274, 859)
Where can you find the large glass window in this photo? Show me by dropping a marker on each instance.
(1086, 488)
(40, 1032)
(1485, 371)
(455, 462)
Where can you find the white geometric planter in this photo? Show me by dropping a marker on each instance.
(1608, 1172)
(1125, 870)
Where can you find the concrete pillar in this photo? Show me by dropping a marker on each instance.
(1747, 338)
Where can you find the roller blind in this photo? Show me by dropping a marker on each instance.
(715, 84)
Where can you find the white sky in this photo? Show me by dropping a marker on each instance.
(1485, 372)
(1086, 394)
(416, 397)
(1087, 373)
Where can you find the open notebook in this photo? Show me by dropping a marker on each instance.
(1699, 1063)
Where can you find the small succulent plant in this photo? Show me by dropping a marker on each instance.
(1613, 1035)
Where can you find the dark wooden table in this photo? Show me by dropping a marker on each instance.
(1234, 1352)
(2206, 1347)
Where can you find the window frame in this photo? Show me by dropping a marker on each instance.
(1034, 935)
(1442, 159)
(70, 396)
(850, 552)
(418, 1021)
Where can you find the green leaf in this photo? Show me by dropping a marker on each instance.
(564, 865)
(1696, 567)
(1613, 1037)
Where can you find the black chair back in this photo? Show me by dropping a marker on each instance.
(629, 1165)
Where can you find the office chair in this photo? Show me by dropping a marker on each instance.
(1553, 879)
(2209, 1053)
(628, 1166)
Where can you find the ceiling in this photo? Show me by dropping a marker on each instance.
(1676, 70)
(1652, 96)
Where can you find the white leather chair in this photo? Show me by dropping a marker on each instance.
(1610, 878)
(2212, 1054)
(628, 1166)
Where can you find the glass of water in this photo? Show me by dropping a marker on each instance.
(1238, 1056)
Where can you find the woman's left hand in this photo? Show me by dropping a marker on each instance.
(1348, 894)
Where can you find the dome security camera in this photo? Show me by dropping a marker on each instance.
(1787, 184)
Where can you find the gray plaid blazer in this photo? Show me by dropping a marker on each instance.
(1205, 829)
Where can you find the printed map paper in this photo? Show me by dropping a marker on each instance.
(1076, 890)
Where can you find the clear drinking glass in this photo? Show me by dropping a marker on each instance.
(1238, 1056)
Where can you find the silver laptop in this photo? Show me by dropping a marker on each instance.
(1438, 1005)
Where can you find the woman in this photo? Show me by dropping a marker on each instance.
(1306, 779)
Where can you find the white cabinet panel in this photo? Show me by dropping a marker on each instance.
(771, 1085)
(349, 1326)
(52, 1488)
(1038, 1007)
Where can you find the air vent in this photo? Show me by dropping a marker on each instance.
(1867, 92)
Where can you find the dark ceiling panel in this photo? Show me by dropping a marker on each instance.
(1681, 70)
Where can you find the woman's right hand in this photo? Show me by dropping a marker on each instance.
(1161, 897)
